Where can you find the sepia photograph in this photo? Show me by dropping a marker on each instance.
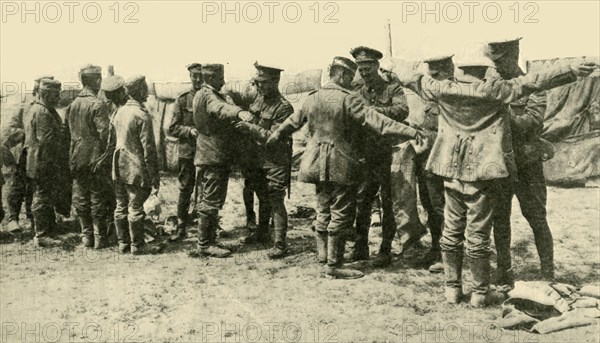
(300, 171)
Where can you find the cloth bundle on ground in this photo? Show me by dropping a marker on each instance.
(544, 307)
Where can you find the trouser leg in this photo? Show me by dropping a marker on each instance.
(532, 194)
(215, 179)
(502, 231)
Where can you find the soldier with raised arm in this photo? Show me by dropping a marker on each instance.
(270, 109)
(336, 118)
(472, 152)
(215, 120)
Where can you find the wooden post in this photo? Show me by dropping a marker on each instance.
(389, 38)
(110, 70)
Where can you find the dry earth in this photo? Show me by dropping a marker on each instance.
(71, 294)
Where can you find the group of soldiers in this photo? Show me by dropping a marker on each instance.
(477, 145)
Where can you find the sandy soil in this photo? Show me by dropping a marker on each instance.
(71, 294)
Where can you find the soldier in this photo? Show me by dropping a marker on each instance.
(214, 119)
(332, 161)
(135, 167)
(472, 152)
(21, 189)
(386, 98)
(114, 90)
(182, 127)
(526, 121)
(47, 157)
(271, 109)
(431, 186)
(89, 125)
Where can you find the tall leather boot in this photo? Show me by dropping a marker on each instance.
(137, 233)
(207, 237)
(321, 238)
(453, 261)
(545, 247)
(100, 233)
(481, 294)
(281, 224)
(359, 251)
(87, 230)
(335, 256)
(122, 228)
(260, 233)
(180, 232)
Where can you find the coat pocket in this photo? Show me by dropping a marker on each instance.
(343, 167)
(309, 166)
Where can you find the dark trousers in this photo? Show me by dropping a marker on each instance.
(21, 190)
(187, 181)
(376, 178)
(130, 202)
(214, 182)
(45, 198)
(336, 208)
(91, 197)
(531, 192)
(431, 194)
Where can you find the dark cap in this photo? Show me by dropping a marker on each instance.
(135, 81)
(501, 48)
(90, 69)
(365, 54)
(50, 84)
(265, 73)
(45, 76)
(344, 63)
(112, 83)
(213, 68)
(437, 63)
(194, 67)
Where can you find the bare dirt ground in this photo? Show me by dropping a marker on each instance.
(76, 295)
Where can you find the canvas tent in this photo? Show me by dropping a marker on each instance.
(572, 124)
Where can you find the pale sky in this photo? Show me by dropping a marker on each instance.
(169, 35)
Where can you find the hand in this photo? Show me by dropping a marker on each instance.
(274, 138)
(194, 133)
(584, 69)
(243, 126)
(246, 116)
(421, 143)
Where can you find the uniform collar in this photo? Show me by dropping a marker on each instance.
(378, 85)
(468, 79)
(333, 85)
(86, 92)
(132, 102)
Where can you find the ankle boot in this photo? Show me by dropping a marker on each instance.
(359, 251)
(87, 231)
(481, 294)
(335, 256)
(100, 233)
(452, 261)
(122, 228)
(180, 232)
(321, 238)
